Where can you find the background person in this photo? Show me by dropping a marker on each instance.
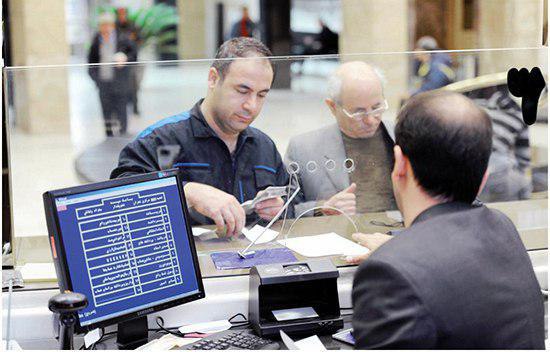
(113, 81)
(126, 26)
(244, 27)
(434, 69)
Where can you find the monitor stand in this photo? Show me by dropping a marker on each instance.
(132, 333)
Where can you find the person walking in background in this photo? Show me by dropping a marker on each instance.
(113, 81)
(434, 69)
(244, 27)
(126, 27)
(328, 40)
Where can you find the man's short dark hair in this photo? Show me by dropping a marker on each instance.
(448, 141)
(239, 47)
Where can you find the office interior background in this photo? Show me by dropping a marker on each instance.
(54, 132)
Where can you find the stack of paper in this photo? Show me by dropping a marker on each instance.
(323, 245)
(38, 272)
(167, 342)
(209, 327)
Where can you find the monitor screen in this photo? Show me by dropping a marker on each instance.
(127, 248)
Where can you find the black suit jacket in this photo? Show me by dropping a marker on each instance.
(459, 277)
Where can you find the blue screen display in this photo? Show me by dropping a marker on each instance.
(127, 248)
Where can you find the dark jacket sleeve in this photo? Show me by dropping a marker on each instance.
(128, 47)
(93, 58)
(138, 157)
(387, 313)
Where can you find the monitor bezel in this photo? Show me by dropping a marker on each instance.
(62, 269)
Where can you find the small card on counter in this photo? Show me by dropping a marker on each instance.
(232, 260)
(294, 313)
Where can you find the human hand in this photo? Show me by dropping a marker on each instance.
(268, 208)
(221, 207)
(371, 241)
(120, 58)
(344, 200)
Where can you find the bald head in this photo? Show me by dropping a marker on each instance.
(452, 108)
(355, 90)
(448, 141)
(353, 76)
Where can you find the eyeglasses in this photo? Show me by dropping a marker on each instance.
(387, 224)
(364, 114)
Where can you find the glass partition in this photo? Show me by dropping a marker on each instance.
(67, 126)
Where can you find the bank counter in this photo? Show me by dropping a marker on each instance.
(529, 216)
(227, 290)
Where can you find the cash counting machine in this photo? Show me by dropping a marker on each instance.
(299, 297)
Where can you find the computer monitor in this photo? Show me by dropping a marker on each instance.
(127, 245)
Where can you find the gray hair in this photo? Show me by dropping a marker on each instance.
(335, 83)
(239, 47)
(106, 17)
(426, 43)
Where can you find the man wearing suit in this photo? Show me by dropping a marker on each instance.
(458, 276)
(347, 165)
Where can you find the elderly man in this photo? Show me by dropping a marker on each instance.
(458, 277)
(347, 165)
(223, 160)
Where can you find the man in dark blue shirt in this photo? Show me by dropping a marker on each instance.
(224, 162)
(434, 68)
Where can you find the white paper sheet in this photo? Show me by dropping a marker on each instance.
(208, 327)
(198, 231)
(254, 232)
(323, 245)
(311, 343)
(289, 343)
(91, 337)
(167, 342)
(38, 272)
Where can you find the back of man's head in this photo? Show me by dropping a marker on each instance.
(448, 141)
(239, 47)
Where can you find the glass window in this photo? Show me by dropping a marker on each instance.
(67, 125)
